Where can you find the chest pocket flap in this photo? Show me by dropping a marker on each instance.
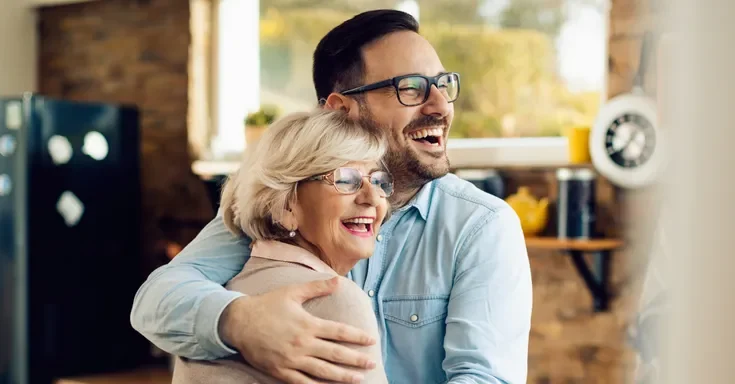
(415, 311)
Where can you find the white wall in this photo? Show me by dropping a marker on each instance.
(19, 44)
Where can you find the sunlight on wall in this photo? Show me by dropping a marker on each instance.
(238, 72)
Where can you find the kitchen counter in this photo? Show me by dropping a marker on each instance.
(462, 153)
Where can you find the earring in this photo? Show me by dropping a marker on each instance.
(292, 234)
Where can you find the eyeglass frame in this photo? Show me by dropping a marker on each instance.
(326, 178)
(431, 80)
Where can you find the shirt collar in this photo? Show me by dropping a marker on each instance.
(422, 200)
(280, 251)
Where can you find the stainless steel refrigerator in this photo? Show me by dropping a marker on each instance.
(69, 238)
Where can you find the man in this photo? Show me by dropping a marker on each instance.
(450, 279)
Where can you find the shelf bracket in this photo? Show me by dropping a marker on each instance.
(596, 276)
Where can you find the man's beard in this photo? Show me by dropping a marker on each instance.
(404, 163)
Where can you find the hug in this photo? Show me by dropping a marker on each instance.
(344, 249)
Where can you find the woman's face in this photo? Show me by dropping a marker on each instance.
(340, 228)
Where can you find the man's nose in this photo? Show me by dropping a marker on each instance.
(436, 104)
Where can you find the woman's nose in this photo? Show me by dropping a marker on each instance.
(368, 194)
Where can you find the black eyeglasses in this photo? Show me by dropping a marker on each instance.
(349, 180)
(414, 90)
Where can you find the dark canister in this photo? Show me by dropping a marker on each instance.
(576, 203)
(488, 180)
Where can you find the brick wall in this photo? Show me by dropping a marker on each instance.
(570, 343)
(136, 52)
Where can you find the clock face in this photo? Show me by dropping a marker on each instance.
(630, 140)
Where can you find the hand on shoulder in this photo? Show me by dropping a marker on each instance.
(275, 334)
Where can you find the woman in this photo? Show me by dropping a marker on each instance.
(312, 197)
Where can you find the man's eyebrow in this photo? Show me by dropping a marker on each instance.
(375, 169)
(442, 72)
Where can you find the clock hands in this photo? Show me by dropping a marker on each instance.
(631, 138)
(628, 141)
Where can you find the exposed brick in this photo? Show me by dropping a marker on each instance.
(137, 52)
(133, 52)
(570, 343)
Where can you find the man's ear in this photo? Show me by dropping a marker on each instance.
(337, 101)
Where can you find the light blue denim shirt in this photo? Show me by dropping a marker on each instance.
(450, 284)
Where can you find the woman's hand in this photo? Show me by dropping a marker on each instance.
(276, 335)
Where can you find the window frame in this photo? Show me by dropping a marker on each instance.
(463, 153)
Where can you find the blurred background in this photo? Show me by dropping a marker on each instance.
(120, 118)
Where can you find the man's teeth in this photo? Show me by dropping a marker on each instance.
(423, 133)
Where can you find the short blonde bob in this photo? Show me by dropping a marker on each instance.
(295, 147)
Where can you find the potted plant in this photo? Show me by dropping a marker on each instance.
(257, 122)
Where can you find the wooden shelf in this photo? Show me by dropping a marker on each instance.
(595, 274)
(157, 375)
(592, 245)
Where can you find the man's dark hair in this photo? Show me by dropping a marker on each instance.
(338, 63)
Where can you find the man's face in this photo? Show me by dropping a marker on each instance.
(412, 161)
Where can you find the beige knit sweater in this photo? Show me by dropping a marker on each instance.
(266, 272)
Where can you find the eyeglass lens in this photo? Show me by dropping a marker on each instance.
(412, 90)
(349, 180)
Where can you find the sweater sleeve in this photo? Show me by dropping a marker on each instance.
(351, 306)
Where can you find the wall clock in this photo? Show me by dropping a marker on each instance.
(625, 142)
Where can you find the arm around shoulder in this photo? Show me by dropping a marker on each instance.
(489, 315)
(178, 307)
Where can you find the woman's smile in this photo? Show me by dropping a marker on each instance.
(361, 226)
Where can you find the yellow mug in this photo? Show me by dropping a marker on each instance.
(579, 144)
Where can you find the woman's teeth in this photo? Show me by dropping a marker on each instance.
(360, 224)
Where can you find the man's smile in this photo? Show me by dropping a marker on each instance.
(428, 139)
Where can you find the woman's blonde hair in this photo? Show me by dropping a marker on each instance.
(295, 147)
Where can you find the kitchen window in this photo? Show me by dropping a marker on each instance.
(529, 69)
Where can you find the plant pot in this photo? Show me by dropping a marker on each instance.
(253, 133)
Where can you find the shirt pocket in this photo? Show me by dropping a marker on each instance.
(416, 328)
(415, 311)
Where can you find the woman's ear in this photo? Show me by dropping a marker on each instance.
(288, 220)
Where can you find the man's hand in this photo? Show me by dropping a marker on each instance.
(275, 334)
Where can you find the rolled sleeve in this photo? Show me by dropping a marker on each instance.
(206, 325)
(179, 305)
(489, 314)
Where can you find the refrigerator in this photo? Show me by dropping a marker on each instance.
(70, 252)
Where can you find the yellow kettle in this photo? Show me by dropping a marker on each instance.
(533, 213)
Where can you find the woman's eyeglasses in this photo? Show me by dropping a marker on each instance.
(414, 90)
(349, 180)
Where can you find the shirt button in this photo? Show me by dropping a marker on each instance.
(414, 318)
(371, 293)
(380, 237)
